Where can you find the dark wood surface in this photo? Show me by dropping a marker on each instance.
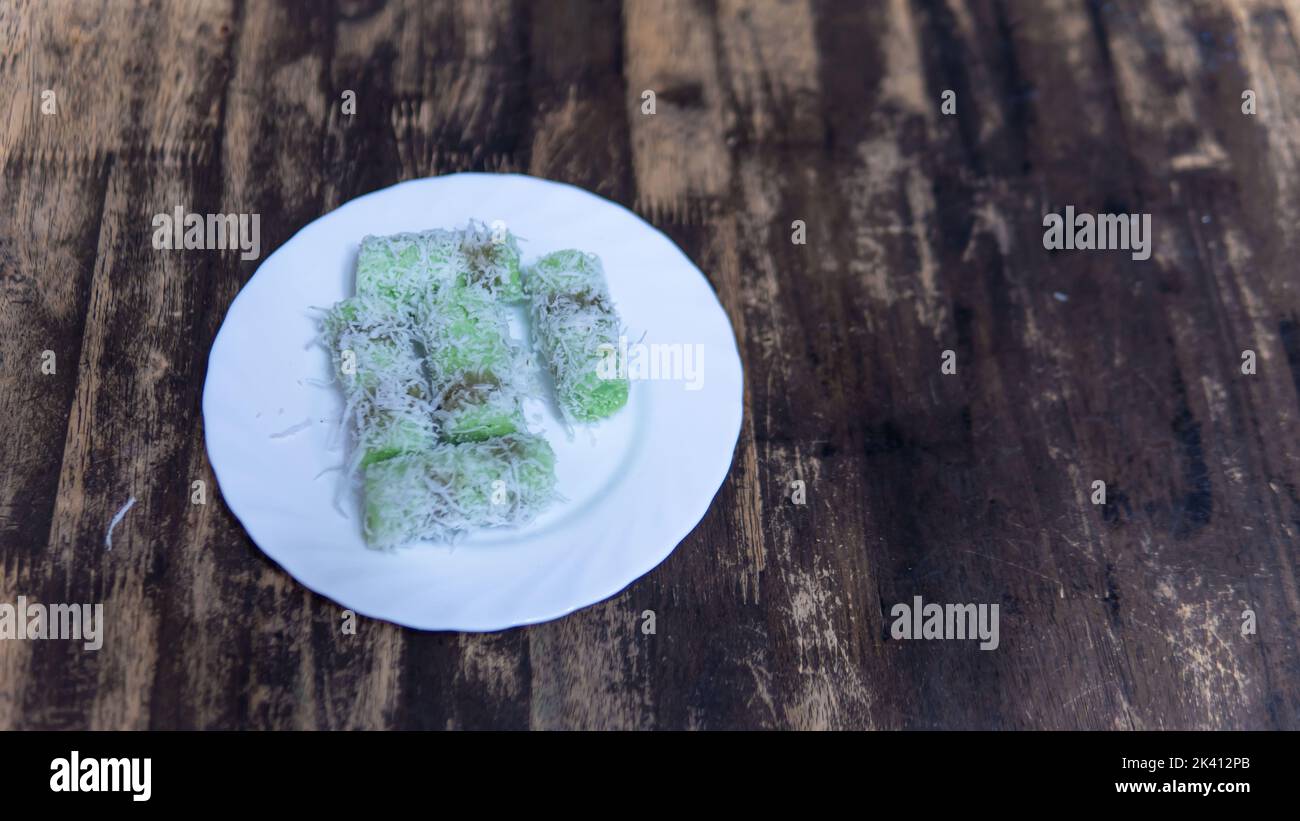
(924, 234)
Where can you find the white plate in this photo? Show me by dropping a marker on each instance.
(635, 485)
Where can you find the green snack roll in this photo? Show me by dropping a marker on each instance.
(401, 268)
(492, 259)
(439, 493)
(576, 328)
(473, 366)
(387, 395)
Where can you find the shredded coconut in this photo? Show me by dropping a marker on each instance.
(290, 431)
(121, 514)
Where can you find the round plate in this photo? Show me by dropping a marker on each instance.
(634, 485)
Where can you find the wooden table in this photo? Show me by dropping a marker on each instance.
(924, 234)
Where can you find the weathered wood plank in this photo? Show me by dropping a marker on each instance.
(122, 424)
(108, 100)
(47, 251)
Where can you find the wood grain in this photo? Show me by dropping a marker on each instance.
(924, 234)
